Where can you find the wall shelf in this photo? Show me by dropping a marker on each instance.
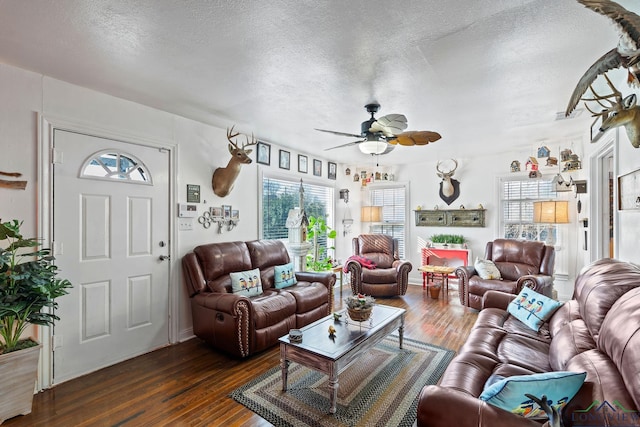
(450, 218)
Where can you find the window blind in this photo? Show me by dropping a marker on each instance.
(394, 213)
(517, 207)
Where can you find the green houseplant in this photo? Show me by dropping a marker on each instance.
(28, 284)
(456, 239)
(318, 259)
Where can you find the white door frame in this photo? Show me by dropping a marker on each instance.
(46, 126)
(600, 191)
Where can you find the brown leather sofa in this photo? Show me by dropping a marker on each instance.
(521, 263)
(239, 325)
(597, 332)
(390, 277)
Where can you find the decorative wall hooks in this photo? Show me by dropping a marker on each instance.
(225, 218)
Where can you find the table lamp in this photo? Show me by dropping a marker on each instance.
(551, 212)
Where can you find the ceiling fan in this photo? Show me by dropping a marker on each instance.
(380, 136)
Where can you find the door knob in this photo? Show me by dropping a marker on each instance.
(165, 257)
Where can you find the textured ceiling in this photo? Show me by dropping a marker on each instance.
(489, 75)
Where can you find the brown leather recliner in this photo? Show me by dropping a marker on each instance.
(521, 263)
(240, 325)
(390, 277)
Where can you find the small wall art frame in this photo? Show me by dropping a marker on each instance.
(263, 155)
(303, 163)
(285, 159)
(317, 167)
(332, 169)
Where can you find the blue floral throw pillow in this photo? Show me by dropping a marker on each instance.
(532, 308)
(246, 283)
(284, 276)
(509, 393)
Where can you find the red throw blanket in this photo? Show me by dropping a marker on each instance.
(365, 262)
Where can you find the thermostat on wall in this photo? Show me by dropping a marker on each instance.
(187, 210)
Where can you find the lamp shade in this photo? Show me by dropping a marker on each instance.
(371, 213)
(551, 212)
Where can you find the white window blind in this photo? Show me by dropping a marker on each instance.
(280, 195)
(517, 207)
(394, 213)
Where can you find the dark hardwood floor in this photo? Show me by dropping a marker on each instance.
(187, 384)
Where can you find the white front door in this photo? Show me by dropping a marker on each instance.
(110, 234)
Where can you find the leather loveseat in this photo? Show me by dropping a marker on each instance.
(521, 263)
(597, 332)
(241, 325)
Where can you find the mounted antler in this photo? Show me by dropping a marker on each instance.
(223, 178)
(622, 112)
(449, 188)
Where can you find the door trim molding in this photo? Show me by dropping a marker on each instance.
(47, 123)
(608, 147)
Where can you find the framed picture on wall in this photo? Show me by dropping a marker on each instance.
(235, 214)
(302, 163)
(332, 169)
(216, 211)
(263, 155)
(226, 211)
(317, 167)
(285, 158)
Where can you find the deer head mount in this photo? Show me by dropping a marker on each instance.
(223, 178)
(617, 111)
(449, 187)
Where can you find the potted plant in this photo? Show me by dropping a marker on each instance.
(360, 306)
(448, 239)
(28, 284)
(318, 259)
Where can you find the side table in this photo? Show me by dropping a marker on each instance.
(430, 271)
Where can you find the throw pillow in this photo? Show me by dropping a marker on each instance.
(487, 269)
(509, 393)
(246, 283)
(284, 276)
(532, 308)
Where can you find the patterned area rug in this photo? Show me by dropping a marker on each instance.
(379, 389)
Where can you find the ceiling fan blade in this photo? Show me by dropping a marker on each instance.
(345, 145)
(340, 133)
(389, 125)
(416, 137)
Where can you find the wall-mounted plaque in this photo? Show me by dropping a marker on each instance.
(193, 193)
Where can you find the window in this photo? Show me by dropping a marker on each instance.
(517, 208)
(394, 213)
(111, 165)
(279, 195)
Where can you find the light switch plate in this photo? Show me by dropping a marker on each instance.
(185, 224)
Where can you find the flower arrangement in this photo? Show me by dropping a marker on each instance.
(360, 306)
(360, 302)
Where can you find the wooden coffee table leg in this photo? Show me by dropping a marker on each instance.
(333, 389)
(401, 331)
(284, 365)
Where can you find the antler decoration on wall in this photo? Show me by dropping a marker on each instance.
(17, 185)
(224, 178)
(622, 112)
(449, 187)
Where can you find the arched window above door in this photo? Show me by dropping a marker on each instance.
(114, 165)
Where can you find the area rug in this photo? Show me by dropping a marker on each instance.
(381, 388)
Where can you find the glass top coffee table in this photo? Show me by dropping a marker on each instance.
(330, 355)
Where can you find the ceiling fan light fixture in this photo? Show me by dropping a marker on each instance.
(373, 147)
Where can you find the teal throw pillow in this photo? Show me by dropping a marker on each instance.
(284, 276)
(246, 283)
(509, 393)
(532, 308)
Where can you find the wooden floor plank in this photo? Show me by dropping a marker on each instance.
(188, 384)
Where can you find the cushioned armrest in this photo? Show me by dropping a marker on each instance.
(439, 406)
(327, 278)
(401, 263)
(497, 299)
(464, 272)
(538, 282)
(227, 303)
(354, 267)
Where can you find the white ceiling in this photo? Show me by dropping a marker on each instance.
(489, 75)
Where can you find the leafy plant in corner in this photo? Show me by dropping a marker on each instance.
(318, 260)
(28, 284)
